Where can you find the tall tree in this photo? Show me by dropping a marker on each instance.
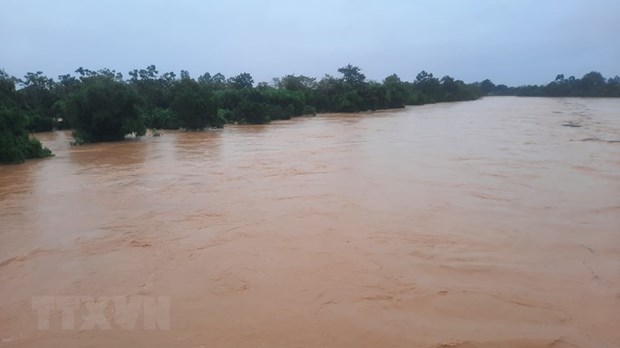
(105, 110)
(195, 106)
(352, 75)
(241, 81)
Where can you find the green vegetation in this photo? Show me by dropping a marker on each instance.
(592, 84)
(194, 105)
(104, 110)
(103, 106)
(16, 145)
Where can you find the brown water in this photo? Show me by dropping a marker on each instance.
(476, 224)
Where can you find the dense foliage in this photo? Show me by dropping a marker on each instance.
(104, 110)
(103, 106)
(592, 84)
(16, 145)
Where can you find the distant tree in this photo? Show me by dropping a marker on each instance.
(36, 99)
(218, 81)
(241, 81)
(449, 88)
(150, 73)
(296, 83)
(374, 96)
(204, 78)
(502, 89)
(66, 85)
(195, 106)
(84, 73)
(352, 75)
(37, 79)
(395, 91)
(613, 86)
(167, 80)
(7, 89)
(111, 74)
(423, 76)
(104, 110)
(487, 87)
(592, 83)
(16, 145)
(429, 88)
(152, 89)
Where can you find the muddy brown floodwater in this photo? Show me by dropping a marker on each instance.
(478, 224)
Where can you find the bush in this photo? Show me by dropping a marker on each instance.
(16, 145)
(309, 110)
(37, 123)
(248, 112)
(161, 119)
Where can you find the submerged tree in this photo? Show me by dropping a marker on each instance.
(194, 105)
(101, 106)
(395, 92)
(104, 110)
(16, 145)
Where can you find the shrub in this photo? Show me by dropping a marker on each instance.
(161, 119)
(16, 145)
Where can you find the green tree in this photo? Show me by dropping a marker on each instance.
(296, 83)
(36, 99)
(592, 84)
(352, 75)
(7, 89)
(104, 110)
(487, 87)
(241, 81)
(194, 106)
(161, 119)
(395, 92)
(429, 88)
(218, 81)
(204, 79)
(16, 145)
(152, 89)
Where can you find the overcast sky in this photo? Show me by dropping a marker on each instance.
(513, 42)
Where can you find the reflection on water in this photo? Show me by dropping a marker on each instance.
(420, 217)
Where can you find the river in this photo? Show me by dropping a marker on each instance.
(473, 224)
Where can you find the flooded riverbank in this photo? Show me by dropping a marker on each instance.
(475, 224)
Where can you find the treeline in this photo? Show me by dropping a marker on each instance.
(104, 106)
(592, 84)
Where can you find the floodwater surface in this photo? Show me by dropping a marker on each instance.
(493, 223)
